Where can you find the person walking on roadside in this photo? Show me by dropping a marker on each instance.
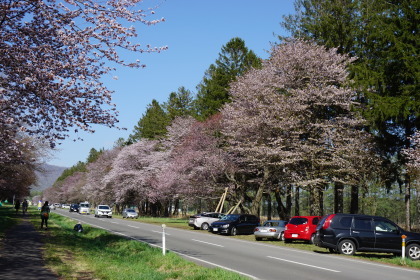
(39, 205)
(17, 205)
(24, 206)
(45, 213)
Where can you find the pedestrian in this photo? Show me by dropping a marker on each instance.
(39, 205)
(45, 213)
(17, 205)
(24, 206)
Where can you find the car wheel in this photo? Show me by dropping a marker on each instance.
(311, 241)
(196, 227)
(205, 226)
(233, 231)
(346, 247)
(258, 238)
(281, 236)
(413, 251)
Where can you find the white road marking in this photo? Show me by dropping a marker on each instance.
(114, 223)
(160, 232)
(132, 226)
(318, 267)
(207, 243)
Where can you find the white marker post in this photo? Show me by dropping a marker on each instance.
(163, 240)
(403, 246)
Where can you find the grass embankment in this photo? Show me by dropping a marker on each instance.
(97, 254)
(8, 218)
(376, 257)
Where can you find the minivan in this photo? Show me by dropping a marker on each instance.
(234, 224)
(301, 228)
(348, 233)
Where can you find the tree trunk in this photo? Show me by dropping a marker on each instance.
(314, 201)
(407, 203)
(176, 207)
(338, 198)
(281, 210)
(257, 200)
(288, 202)
(354, 201)
(269, 203)
(297, 201)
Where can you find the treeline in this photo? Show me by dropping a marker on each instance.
(304, 132)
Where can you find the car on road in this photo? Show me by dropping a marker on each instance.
(204, 220)
(301, 228)
(52, 207)
(84, 208)
(234, 224)
(129, 213)
(65, 206)
(74, 208)
(349, 233)
(103, 211)
(57, 205)
(271, 229)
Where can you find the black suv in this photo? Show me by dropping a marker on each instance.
(234, 224)
(348, 233)
(74, 208)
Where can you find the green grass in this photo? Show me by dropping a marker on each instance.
(97, 254)
(8, 218)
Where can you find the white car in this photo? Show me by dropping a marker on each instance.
(204, 219)
(103, 211)
(84, 208)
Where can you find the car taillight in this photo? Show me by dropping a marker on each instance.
(272, 230)
(256, 229)
(327, 222)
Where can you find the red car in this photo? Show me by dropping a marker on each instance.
(301, 228)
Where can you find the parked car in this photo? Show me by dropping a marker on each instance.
(84, 208)
(349, 233)
(103, 211)
(234, 224)
(74, 208)
(301, 228)
(57, 205)
(129, 213)
(65, 206)
(271, 229)
(52, 207)
(204, 220)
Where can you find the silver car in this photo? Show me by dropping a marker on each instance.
(271, 229)
(129, 213)
(103, 211)
(203, 220)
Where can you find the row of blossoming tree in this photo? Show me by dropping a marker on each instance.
(291, 125)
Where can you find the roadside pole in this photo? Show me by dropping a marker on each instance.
(403, 246)
(163, 240)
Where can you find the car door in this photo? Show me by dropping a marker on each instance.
(363, 232)
(387, 235)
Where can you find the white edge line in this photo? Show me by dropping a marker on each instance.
(207, 243)
(314, 266)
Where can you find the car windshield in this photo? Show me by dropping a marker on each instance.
(298, 221)
(230, 217)
(130, 210)
(104, 207)
(273, 224)
(84, 205)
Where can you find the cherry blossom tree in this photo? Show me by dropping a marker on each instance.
(53, 56)
(292, 120)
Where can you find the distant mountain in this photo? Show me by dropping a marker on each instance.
(47, 176)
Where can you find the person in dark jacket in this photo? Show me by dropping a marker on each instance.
(45, 213)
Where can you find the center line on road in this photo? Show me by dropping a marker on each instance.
(207, 243)
(114, 223)
(160, 232)
(132, 226)
(303, 264)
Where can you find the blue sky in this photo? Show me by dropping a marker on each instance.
(194, 31)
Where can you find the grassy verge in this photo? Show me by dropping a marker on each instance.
(376, 257)
(8, 218)
(97, 254)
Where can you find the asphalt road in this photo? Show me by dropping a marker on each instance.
(252, 259)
